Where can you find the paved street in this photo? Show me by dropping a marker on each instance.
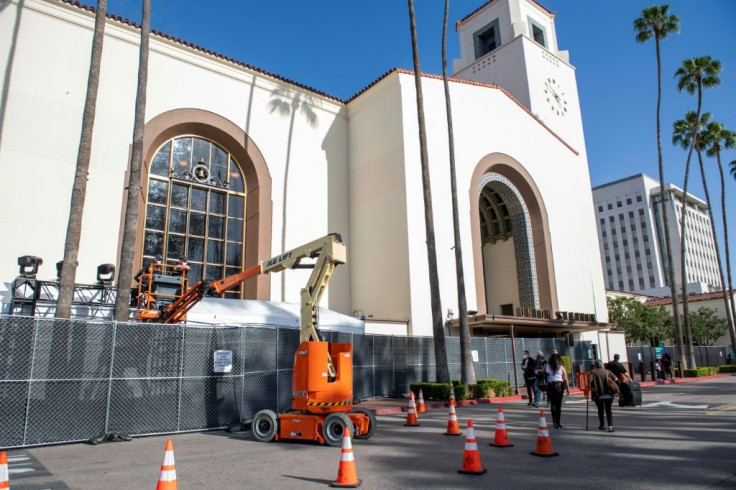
(683, 437)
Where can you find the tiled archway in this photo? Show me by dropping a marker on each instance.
(526, 269)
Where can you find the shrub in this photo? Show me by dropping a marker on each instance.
(699, 372)
(460, 390)
(727, 368)
(432, 391)
(490, 388)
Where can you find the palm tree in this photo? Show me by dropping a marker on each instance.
(695, 74)
(656, 22)
(733, 169)
(440, 352)
(716, 138)
(79, 189)
(288, 103)
(466, 355)
(685, 133)
(132, 206)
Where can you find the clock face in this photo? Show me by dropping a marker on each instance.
(555, 97)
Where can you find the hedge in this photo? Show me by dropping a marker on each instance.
(490, 388)
(432, 391)
(485, 388)
(727, 368)
(699, 372)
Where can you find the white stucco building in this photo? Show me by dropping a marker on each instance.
(631, 234)
(241, 164)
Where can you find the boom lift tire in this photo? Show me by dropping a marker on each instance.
(265, 425)
(371, 427)
(334, 427)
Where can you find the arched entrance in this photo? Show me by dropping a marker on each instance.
(223, 137)
(511, 247)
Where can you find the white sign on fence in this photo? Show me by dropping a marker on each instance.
(475, 355)
(223, 361)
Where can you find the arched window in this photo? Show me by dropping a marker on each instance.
(196, 208)
(495, 221)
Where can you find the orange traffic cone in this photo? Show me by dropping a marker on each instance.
(167, 478)
(544, 443)
(4, 482)
(411, 414)
(453, 403)
(346, 474)
(471, 458)
(501, 438)
(420, 406)
(453, 429)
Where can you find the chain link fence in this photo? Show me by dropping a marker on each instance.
(642, 358)
(71, 380)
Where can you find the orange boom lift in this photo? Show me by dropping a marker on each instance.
(322, 383)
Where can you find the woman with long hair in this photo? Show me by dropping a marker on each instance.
(556, 388)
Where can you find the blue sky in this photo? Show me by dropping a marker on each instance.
(340, 46)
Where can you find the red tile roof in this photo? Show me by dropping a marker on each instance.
(313, 90)
(691, 298)
(206, 51)
(490, 2)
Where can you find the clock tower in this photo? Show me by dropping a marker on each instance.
(513, 43)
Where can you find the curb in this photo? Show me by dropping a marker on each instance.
(484, 401)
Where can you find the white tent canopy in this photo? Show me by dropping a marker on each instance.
(219, 311)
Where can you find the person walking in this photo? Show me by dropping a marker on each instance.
(540, 386)
(556, 387)
(528, 366)
(618, 369)
(603, 387)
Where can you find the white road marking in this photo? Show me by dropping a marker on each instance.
(674, 405)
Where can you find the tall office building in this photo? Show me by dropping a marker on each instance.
(631, 236)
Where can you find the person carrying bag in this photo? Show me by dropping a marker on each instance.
(603, 387)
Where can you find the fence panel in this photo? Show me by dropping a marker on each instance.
(66, 381)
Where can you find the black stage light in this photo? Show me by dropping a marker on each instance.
(29, 266)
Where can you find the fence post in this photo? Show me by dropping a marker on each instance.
(109, 379)
(30, 379)
(181, 376)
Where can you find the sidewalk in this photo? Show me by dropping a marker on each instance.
(386, 406)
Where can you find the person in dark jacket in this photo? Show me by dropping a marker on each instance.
(601, 380)
(616, 367)
(539, 367)
(528, 365)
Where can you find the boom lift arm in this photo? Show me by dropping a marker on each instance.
(329, 251)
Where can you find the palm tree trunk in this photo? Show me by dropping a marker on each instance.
(440, 351)
(729, 317)
(665, 221)
(79, 189)
(727, 292)
(283, 204)
(132, 208)
(466, 354)
(683, 262)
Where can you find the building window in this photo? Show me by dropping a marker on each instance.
(507, 309)
(537, 32)
(618, 204)
(487, 39)
(641, 282)
(600, 209)
(604, 234)
(196, 208)
(641, 212)
(611, 219)
(610, 206)
(638, 198)
(603, 221)
(628, 201)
